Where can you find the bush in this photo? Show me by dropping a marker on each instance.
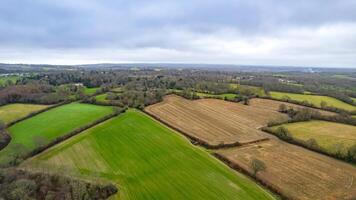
(257, 166)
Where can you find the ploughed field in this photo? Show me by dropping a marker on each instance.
(12, 112)
(146, 160)
(296, 172)
(329, 135)
(45, 127)
(213, 121)
(314, 99)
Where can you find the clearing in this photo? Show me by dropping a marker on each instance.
(314, 99)
(329, 135)
(43, 128)
(12, 112)
(215, 122)
(147, 161)
(295, 172)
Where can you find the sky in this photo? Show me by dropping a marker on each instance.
(319, 33)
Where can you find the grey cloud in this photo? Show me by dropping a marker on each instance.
(166, 24)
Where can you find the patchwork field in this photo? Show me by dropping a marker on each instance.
(296, 172)
(147, 161)
(214, 121)
(273, 105)
(328, 135)
(13, 112)
(314, 99)
(43, 128)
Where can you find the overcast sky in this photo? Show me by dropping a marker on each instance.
(259, 32)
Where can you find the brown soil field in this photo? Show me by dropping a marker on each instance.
(215, 122)
(294, 172)
(274, 105)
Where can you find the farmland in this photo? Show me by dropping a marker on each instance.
(295, 172)
(13, 112)
(147, 161)
(314, 99)
(101, 97)
(43, 128)
(329, 135)
(274, 105)
(90, 91)
(214, 121)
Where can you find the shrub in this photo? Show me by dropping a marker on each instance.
(257, 166)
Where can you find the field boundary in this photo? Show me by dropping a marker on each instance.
(298, 142)
(329, 109)
(196, 141)
(32, 114)
(69, 135)
(238, 168)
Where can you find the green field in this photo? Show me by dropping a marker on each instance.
(27, 135)
(13, 112)
(147, 161)
(220, 96)
(101, 97)
(117, 90)
(314, 99)
(13, 79)
(327, 134)
(90, 91)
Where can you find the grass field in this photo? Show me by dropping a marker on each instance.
(13, 112)
(296, 172)
(101, 97)
(90, 91)
(327, 134)
(45, 127)
(147, 161)
(314, 99)
(13, 79)
(215, 121)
